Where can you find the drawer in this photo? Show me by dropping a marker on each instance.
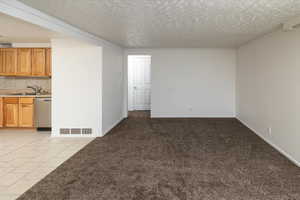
(11, 100)
(27, 100)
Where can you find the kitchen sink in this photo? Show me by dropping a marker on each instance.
(17, 94)
(23, 94)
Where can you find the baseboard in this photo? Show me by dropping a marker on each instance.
(192, 116)
(72, 136)
(285, 154)
(112, 126)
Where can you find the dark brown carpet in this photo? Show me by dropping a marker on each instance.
(173, 159)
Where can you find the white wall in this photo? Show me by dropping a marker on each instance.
(76, 86)
(192, 82)
(113, 92)
(268, 94)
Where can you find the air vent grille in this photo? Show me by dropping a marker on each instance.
(76, 131)
(87, 131)
(64, 131)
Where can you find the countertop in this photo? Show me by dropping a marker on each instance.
(22, 93)
(32, 96)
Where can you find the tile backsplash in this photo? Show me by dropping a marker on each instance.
(16, 83)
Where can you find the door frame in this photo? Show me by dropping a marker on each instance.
(132, 52)
(131, 91)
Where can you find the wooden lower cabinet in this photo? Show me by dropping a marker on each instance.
(11, 112)
(1, 112)
(18, 112)
(26, 111)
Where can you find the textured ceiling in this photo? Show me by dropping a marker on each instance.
(172, 23)
(15, 30)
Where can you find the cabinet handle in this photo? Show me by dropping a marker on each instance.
(26, 105)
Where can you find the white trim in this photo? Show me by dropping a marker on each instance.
(20, 10)
(191, 116)
(130, 52)
(132, 105)
(125, 87)
(55, 133)
(112, 126)
(74, 136)
(284, 153)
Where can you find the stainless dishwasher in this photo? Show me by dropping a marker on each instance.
(43, 113)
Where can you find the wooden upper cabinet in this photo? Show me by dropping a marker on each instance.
(11, 112)
(8, 61)
(38, 62)
(48, 62)
(24, 61)
(1, 112)
(2, 68)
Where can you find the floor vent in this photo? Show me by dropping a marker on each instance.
(76, 131)
(64, 131)
(87, 131)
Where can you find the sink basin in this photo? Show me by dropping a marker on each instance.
(22, 94)
(17, 94)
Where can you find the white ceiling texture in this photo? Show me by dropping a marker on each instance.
(172, 23)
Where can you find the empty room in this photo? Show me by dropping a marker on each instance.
(149, 100)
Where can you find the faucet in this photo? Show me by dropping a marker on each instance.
(35, 88)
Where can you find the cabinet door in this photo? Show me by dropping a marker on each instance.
(48, 62)
(11, 112)
(24, 62)
(26, 115)
(38, 62)
(1, 112)
(9, 61)
(2, 68)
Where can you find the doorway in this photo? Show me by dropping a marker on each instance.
(139, 83)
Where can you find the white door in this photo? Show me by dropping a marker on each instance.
(139, 82)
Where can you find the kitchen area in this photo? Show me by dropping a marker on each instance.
(28, 150)
(25, 87)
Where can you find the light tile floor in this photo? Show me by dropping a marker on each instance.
(27, 156)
